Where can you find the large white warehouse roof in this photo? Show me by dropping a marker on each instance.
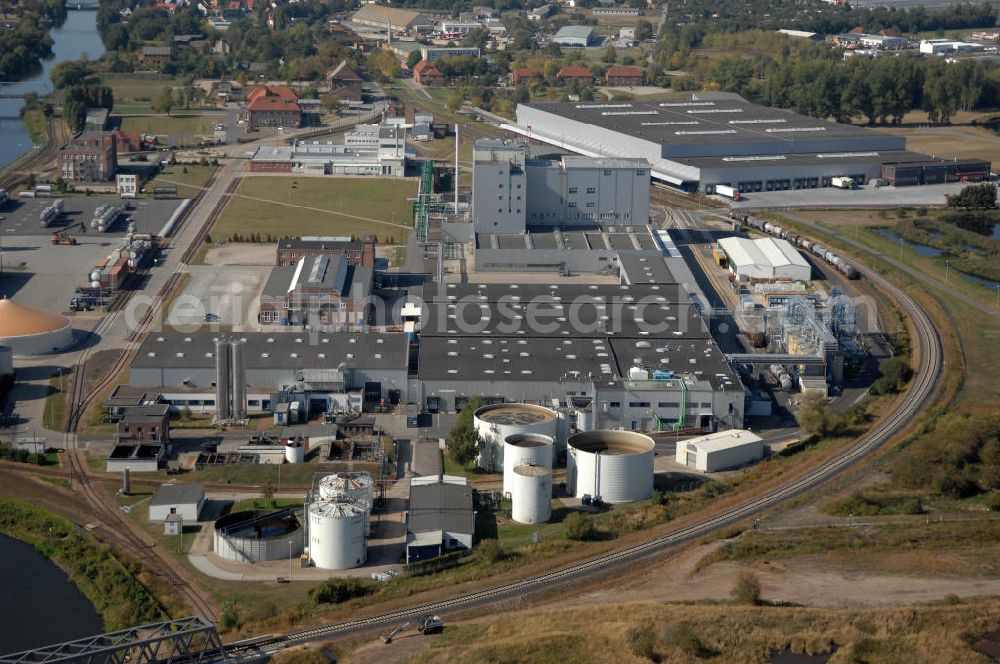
(765, 258)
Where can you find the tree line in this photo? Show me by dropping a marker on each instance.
(78, 98)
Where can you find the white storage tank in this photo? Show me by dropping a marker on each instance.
(337, 534)
(258, 536)
(525, 448)
(355, 487)
(584, 420)
(295, 451)
(531, 493)
(495, 422)
(615, 466)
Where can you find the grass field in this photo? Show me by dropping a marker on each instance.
(961, 139)
(188, 178)
(182, 124)
(55, 403)
(292, 206)
(132, 87)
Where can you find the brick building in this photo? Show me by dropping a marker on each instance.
(322, 290)
(155, 56)
(426, 73)
(345, 84)
(145, 424)
(273, 106)
(623, 76)
(568, 74)
(357, 252)
(525, 74)
(89, 158)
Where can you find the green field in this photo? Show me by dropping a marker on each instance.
(130, 87)
(180, 125)
(188, 178)
(291, 206)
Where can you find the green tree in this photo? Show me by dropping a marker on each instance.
(643, 30)
(579, 527)
(454, 99)
(746, 589)
(463, 439)
(413, 58)
(164, 102)
(267, 493)
(815, 416)
(981, 196)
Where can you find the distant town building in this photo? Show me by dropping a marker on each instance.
(426, 73)
(344, 83)
(801, 34)
(155, 56)
(521, 74)
(575, 73)
(541, 13)
(574, 35)
(273, 106)
(941, 46)
(367, 150)
(433, 53)
(616, 10)
(623, 76)
(380, 16)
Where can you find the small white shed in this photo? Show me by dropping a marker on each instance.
(721, 450)
(183, 500)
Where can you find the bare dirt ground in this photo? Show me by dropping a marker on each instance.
(240, 254)
(816, 581)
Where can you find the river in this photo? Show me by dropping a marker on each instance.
(39, 605)
(76, 36)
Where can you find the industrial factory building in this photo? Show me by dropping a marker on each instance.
(320, 292)
(764, 258)
(512, 192)
(368, 150)
(183, 500)
(636, 357)
(717, 138)
(440, 517)
(319, 371)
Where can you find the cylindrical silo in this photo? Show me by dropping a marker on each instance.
(295, 451)
(531, 493)
(525, 448)
(223, 397)
(337, 534)
(355, 487)
(495, 422)
(239, 383)
(615, 466)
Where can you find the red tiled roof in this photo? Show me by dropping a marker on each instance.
(424, 67)
(857, 31)
(624, 71)
(527, 72)
(265, 103)
(574, 72)
(274, 91)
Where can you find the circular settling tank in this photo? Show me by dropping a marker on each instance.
(258, 536)
(496, 422)
(615, 466)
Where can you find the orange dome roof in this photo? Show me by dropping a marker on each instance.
(18, 320)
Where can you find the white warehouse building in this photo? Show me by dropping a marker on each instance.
(721, 450)
(764, 258)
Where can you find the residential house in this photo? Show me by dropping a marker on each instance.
(623, 76)
(524, 74)
(273, 106)
(155, 56)
(344, 83)
(573, 73)
(427, 73)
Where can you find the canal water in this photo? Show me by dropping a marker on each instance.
(39, 605)
(77, 36)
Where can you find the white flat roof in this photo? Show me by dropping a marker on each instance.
(767, 251)
(724, 440)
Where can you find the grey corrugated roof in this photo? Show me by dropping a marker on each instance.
(441, 506)
(574, 32)
(177, 494)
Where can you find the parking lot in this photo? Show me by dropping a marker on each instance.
(862, 197)
(228, 295)
(21, 216)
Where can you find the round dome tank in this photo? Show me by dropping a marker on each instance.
(295, 451)
(30, 331)
(497, 421)
(259, 536)
(95, 275)
(355, 487)
(337, 534)
(525, 448)
(615, 466)
(531, 494)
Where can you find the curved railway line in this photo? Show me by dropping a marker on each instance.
(922, 390)
(120, 530)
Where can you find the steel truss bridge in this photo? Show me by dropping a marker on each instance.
(192, 639)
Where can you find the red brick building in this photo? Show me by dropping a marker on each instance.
(273, 106)
(525, 74)
(569, 74)
(323, 290)
(92, 158)
(344, 82)
(425, 73)
(623, 76)
(357, 252)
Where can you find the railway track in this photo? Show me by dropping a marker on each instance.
(120, 530)
(922, 390)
